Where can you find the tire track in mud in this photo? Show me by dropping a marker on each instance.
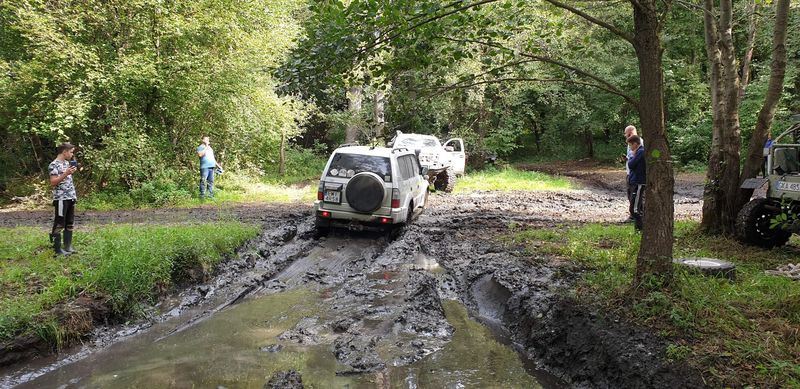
(282, 241)
(524, 296)
(382, 293)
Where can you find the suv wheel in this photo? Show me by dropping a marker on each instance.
(446, 180)
(753, 225)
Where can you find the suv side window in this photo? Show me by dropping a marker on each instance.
(404, 167)
(410, 163)
(414, 166)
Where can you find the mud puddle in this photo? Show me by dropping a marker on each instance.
(346, 316)
(243, 349)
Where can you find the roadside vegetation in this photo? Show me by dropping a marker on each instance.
(118, 267)
(741, 333)
(508, 179)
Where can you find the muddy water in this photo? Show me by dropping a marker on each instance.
(241, 348)
(343, 311)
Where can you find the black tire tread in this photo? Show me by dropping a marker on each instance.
(446, 180)
(746, 226)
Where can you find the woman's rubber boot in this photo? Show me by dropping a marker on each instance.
(56, 239)
(68, 242)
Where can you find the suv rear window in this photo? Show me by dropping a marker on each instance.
(353, 164)
(413, 143)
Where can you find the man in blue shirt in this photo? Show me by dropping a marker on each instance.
(207, 165)
(637, 177)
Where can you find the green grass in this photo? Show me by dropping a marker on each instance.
(229, 188)
(124, 266)
(741, 333)
(509, 179)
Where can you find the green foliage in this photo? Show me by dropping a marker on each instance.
(125, 264)
(135, 84)
(749, 322)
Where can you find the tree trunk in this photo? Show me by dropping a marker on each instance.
(755, 157)
(355, 96)
(655, 252)
(379, 112)
(587, 136)
(282, 154)
(748, 54)
(711, 195)
(719, 212)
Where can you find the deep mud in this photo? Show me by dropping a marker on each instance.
(381, 301)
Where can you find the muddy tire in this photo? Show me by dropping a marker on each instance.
(446, 180)
(322, 227)
(753, 226)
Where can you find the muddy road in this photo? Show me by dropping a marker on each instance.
(442, 303)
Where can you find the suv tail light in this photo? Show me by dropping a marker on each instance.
(320, 194)
(395, 198)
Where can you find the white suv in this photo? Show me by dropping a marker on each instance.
(370, 188)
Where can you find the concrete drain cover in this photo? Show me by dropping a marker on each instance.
(709, 266)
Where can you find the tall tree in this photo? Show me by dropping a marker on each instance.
(722, 196)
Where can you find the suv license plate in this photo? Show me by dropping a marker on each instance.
(789, 186)
(333, 196)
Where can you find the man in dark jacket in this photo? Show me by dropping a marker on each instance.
(637, 177)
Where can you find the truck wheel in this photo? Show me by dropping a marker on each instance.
(446, 180)
(321, 227)
(753, 226)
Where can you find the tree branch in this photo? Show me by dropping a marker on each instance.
(592, 19)
(423, 22)
(526, 79)
(540, 58)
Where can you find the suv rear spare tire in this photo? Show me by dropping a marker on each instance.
(365, 192)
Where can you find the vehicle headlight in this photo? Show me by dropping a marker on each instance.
(334, 172)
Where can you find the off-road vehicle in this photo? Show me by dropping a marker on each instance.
(769, 222)
(370, 188)
(444, 162)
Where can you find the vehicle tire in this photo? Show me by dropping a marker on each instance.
(365, 192)
(709, 266)
(753, 226)
(410, 214)
(446, 180)
(321, 227)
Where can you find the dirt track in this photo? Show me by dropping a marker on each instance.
(382, 295)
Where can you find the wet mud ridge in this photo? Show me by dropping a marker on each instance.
(379, 304)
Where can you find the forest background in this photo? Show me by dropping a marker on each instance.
(277, 84)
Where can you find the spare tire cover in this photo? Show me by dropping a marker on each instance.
(365, 192)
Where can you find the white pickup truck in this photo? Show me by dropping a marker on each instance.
(444, 162)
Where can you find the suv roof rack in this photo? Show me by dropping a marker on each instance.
(399, 149)
(349, 144)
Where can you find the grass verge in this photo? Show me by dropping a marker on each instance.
(509, 179)
(229, 188)
(740, 334)
(122, 266)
